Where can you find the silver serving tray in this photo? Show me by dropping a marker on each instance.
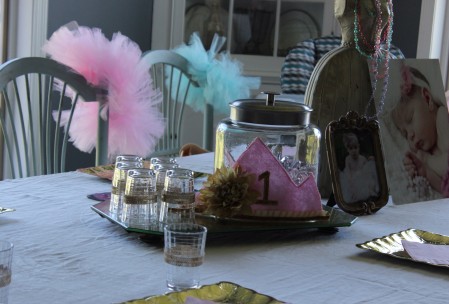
(337, 218)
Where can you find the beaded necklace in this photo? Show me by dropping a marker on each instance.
(376, 50)
(385, 74)
(358, 30)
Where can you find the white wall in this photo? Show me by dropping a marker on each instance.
(27, 27)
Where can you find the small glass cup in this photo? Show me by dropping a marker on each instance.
(128, 158)
(118, 186)
(139, 208)
(161, 171)
(6, 251)
(178, 197)
(184, 251)
(162, 160)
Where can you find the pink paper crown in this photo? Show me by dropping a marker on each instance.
(279, 194)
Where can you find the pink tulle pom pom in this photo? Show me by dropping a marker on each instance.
(135, 122)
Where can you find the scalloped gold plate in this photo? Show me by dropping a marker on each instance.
(3, 210)
(222, 292)
(104, 171)
(392, 244)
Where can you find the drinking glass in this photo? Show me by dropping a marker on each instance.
(128, 158)
(118, 185)
(184, 251)
(139, 208)
(6, 250)
(161, 170)
(162, 160)
(178, 197)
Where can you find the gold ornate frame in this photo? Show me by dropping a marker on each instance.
(368, 131)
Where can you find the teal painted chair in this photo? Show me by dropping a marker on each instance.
(170, 75)
(33, 144)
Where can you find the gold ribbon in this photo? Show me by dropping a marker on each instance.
(178, 198)
(150, 198)
(184, 255)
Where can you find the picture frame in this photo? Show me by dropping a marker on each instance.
(395, 102)
(356, 164)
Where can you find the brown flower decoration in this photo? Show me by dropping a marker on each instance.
(227, 192)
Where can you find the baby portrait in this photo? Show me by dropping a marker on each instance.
(414, 124)
(358, 175)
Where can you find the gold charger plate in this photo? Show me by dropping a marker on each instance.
(392, 244)
(105, 171)
(222, 292)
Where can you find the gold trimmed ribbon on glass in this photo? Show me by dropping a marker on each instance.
(149, 198)
(159, 185)
(183, 199)
(183, 255)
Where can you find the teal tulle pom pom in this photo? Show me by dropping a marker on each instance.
(219, 76)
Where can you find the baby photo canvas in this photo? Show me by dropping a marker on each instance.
(414, 125)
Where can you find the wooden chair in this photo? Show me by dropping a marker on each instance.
(33, 142)
(169, 71)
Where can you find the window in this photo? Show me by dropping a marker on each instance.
(259, 33)
(170, 26)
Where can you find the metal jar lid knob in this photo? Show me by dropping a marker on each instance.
(270, 101)
(270, 111)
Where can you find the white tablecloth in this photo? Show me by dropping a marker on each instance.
(66, 253)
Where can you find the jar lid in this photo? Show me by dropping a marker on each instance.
(270, 111)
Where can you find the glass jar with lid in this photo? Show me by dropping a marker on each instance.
(284, 126)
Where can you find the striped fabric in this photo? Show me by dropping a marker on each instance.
(301, 60)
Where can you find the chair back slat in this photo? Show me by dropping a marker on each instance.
(175, 83)
(11, 142)
(181, 112)
(46, 148)
(40, 133)
(30, 147)
(20, 137)
(66, 134)
(57, 132)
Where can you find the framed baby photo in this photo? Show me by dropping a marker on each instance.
(356, 164)
(414, 126)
